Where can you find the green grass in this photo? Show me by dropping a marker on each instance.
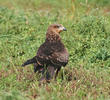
(22, 30)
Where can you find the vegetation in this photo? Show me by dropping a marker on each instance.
(23, 24)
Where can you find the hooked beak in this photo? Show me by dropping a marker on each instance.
(64, 29)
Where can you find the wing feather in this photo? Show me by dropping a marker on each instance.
(52, 54)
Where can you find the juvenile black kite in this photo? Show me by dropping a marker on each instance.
(52, 53)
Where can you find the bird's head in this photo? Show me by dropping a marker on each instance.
(57, 28)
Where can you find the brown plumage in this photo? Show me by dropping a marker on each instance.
(52, 53)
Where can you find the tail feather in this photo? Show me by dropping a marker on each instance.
(30, 61)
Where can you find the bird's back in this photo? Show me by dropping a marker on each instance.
(53, 53)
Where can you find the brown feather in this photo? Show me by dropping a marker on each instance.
(52, 52)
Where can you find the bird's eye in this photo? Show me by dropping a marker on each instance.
(57, 26)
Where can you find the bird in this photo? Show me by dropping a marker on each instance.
(51, 55)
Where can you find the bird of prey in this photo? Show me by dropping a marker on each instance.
(51, 55)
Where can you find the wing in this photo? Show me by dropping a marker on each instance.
(54, 54)
(60, 58)
(44, 53)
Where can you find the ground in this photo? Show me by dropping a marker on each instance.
(22, 31)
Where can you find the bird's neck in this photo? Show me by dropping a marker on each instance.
(53, 37)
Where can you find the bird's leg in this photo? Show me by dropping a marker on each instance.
(58, 69)
(50, 74)
(38, 68)
(43, 78)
